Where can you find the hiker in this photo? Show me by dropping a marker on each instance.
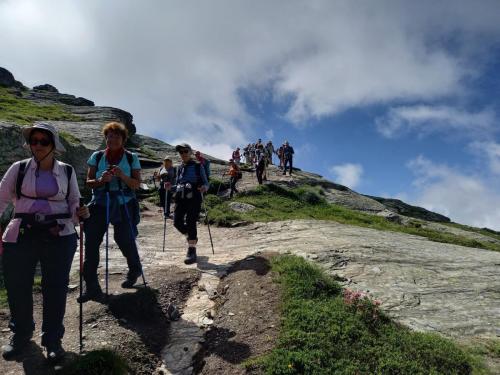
(287, 157)
(270, 151)
(116, 171)
(166, 176)
(280, 155)
(46, 198)
(235, 175)
(246, 154)
(191, 183)
(236, 156)
(204, 162)
(260, 163)
(252, 153)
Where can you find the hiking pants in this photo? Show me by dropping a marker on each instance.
(288, 161)
(95, 229)
(186, 215)
(162, 201)
(232, 184)
(55, 255)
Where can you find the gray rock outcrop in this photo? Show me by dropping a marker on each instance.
(402, 208)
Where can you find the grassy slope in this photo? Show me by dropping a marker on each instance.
(25, 112)
(275, 203)
(323, 334)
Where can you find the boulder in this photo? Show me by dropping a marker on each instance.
(8, 80)
(241, 207)
(45, 87)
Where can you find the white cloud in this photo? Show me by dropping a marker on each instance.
(425, 119)
(347, 174)
(269, 134)
(178, 66)
(467, 199)
(491, 151)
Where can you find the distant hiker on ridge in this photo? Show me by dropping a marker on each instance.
(270, 151)
(236, 156)
(191, 183)
(46, 198)
(288, 157)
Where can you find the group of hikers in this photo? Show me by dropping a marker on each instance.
(47, 206)
(260, 156)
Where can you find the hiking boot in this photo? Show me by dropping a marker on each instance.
(131, 279)
(92, 293)
(55, 352)
(16, 345)
(190, 256)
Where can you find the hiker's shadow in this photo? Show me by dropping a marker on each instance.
(255, 263)
(142, 313)
(35, 363)
(218, 342)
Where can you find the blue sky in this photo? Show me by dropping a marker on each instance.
(392, 98)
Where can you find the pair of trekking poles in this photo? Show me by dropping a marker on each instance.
(133, 238)
(165, 220)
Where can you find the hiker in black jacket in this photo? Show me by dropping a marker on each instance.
(166, 175)
(288, 157)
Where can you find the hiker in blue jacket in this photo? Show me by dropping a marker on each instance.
(191, 183)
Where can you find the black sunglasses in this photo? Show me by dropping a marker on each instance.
(44, 142)
(184, 151)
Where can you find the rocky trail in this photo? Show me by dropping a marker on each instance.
(428, 286)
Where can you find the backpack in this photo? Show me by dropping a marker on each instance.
(180, 172)
(206, 165)
(239, 175)
(22, 172)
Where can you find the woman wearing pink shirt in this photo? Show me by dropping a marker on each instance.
(45, 195)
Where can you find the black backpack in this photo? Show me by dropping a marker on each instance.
(22, 172)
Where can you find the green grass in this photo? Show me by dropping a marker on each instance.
(275, 203)
(484, 231)
(321, 334)
(25, 112)
(70, 138)
(97, 362)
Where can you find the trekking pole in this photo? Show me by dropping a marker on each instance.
(107, 238)
(81, 280)
(132, 233)
(208, 222)
(164, 219)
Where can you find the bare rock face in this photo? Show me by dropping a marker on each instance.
(8, 80)
(402, 208)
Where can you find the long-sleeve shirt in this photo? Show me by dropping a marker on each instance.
(58, 203)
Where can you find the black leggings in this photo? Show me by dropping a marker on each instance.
(186, 214)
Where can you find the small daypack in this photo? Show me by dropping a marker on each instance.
(130, 158)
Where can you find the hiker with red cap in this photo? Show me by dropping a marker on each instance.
(46, 199)
(205, 163)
